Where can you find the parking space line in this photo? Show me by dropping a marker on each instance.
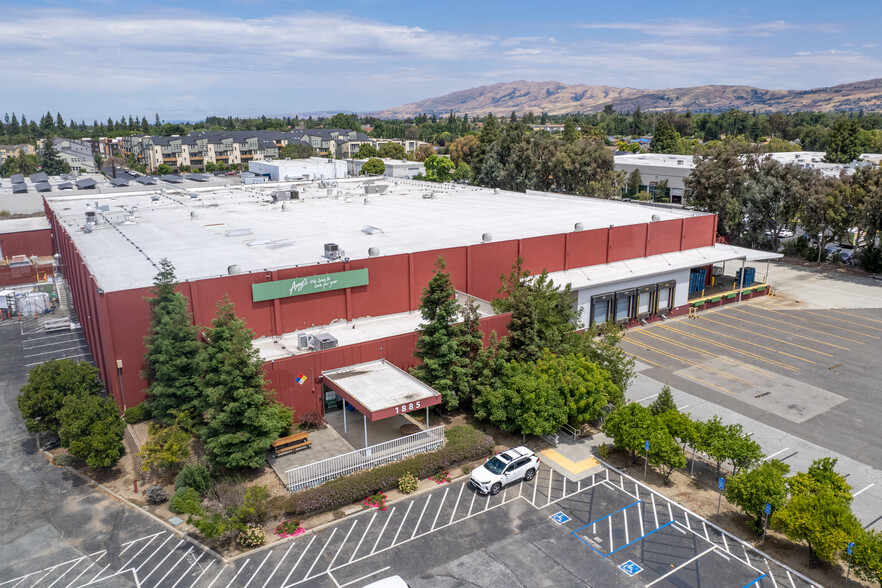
(609, 524)
(640, 517)
(771, 328)
(774, 454)
(202, 573)
(771, 575)
(336, 555)
(95, 577)
(63, 357)
(680, 567)
(53, 351)
(862, 490)
(152, 554)
(625, 519)
(797, 326)
(709, 341)
(78, 560)
(471, 504)
(654, 511)
(236, 575)
(278, 565)
(403, 520)
(635, 356)
(360, 541)
(701, 352)
(815, 321)
(386, 524)
(84, 571)
(174, 566)
(504, 492)
(297, 563)
(365, 577)
(217, 576)
(755, 334)
(486, 504)
(550, 477)
(853, 315)
(420, 520)
(458, 498)
(23, 348)
(257, 571)
(726, 543)
(670, 512)
(133, 541)
(688, 526)
(182, 576)
(706, 535)
(746, 557)
(752, 344)
(440, 506)
(636, 491)
(789, 577)
(319, 556)
(833, 318)
(168, 555)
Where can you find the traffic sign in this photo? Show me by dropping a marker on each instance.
(646, 445)
(850, 548)
(768, 508)
(630, 568)
(722, 483)
(559, 518)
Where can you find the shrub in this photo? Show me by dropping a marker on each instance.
(312, 420)
(167, 448)
(603, 451)
(408, 483)
(251, 537)
(156, 494)
(186, 501)
(377, 500)
(441, 477)
(289, 528)
(464, 443)
(137, 414)
(197, 477)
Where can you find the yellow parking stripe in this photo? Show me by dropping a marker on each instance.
(750, 343)
(780, 330)
(855, 315)
(635, 356)
(797, 326)
(823, 323)
(693, 363)
(574, 467)
(833, 318)
(734, 349)
(704, 318)
(711, 354)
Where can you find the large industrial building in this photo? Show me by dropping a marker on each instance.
(330, 277)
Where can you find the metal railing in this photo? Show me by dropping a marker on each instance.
(316, 473)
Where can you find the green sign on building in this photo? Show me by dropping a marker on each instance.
(309, 285)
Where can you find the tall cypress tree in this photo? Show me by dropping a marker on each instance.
(50, 162)
(172, 352)
(242, 418)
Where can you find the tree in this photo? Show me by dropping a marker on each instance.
(392, 150)
(373, 167)
(542, 314)
(438, 168)
(629, 427)
(422, 152)
(571, 132)
(172, 357)
(665, 454)
(463, 149)
(49, 383)
(585, 168)
(439, 345)
(867, 556)
(634, 182)
(90, 428)
(663, 402)
(818, 511)
(463, 172)
(366, 151)
(242, 416)
(843, 144)
(750, 490)
(163, 169)
(296, 151)
(586, 388)
(525, 400)
(343, 121)
(665, 139)
(166, 448)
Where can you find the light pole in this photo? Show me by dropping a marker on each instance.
(646, 461)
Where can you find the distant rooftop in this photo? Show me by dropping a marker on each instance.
(20, 225)
(204, 232)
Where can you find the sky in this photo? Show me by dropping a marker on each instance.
(187, 59)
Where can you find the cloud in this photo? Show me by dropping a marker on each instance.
(680, 28)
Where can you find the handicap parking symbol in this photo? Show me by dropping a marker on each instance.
(559, 518)
(630, 568)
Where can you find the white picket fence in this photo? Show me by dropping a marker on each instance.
(314, 474)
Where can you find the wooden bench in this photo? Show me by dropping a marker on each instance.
(290, 443)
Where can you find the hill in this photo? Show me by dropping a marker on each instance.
(558, 98)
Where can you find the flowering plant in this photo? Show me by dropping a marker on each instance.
(441, 477)
(289, 528)
(376, 500)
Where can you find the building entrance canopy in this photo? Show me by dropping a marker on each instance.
(378, 389)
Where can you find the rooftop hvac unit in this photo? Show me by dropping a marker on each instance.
(333, 251)
(303, 341)
(322, 341)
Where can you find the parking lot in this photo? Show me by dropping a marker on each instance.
(604, 530)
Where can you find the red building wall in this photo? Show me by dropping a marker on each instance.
(115, 323)
(28, 243)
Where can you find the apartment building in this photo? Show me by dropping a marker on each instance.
(77, 154)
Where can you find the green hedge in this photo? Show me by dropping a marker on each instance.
(463, 443)
(136, 414)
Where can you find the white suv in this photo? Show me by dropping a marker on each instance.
(505, 468)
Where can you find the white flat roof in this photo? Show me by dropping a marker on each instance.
(379, 385)
(620, 271)
(238, 225)
(20, 225)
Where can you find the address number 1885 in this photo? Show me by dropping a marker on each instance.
(407, 407)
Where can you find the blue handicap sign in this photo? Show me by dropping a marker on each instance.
(768, 508)
(850, 548)
(722, 483)
(646, 445)
(559, 518)
(630, 568)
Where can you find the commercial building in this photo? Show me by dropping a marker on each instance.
(395, 168)
(312, 168)
(332, 278)
(656, 168)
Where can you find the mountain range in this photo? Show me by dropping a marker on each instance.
(558, 98)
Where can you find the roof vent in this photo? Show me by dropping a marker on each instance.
(87, 228)
(656, 218)
(284, 207)
(234, 269)
(367, 201)
(194, 214)
(154, 198)
(578, 227)
(496, 190)
(374, 252)
(486, 237)
(371, 230)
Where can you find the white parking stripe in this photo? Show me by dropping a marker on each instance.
(771, 575)
(371, 522)
(536, 487)
(155, 551)
(202, 573)
(774, 454)
(330, 565)
(420, 520)
(550, 477)
(236, 575)
(706, 535)
(654, 510)
(65, 342)
(487, 504)
(386, 524)
(455, 506)
(640, 517)
(325, 546)
(53, 351)
(168, 555)
(84, 571)
(636, 491)
(688, 526)
(564, 487)
(863, 489)
(437, 514)
(680, 567)
(63, 357)
(278, 565)
(74, 564)
(746, 557)
(257, 571)
(789, 577)
(726, 543)
(297, 563)
(184, 575)
(133, 541)
(216, 577)
(365, 577)
(625, 518)
(670, 512)
(609, 522)
(174, 566)
(95, 577)
(152, 537)
(472, 503)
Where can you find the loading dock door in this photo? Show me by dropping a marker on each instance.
(600, 309)
(624, 306)
(665, 296)
(644, 300)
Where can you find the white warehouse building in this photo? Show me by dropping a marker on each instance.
(313, 168)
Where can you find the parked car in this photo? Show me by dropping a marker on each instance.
(505, 468)
(785, 234)
(844, 252)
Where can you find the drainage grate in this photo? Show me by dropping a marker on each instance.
(763, 394)
(833, 367)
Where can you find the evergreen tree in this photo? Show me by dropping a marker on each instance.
(634, 183)
(13, 127)
(665, 139)
(663, 402)
(48, 385)
(50, 162)
(571, 132)
(172, 354)
(91, 429)
(843, 145)
(242, 418)
(439, 346)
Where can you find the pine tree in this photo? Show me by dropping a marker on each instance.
(242, 417)
(439, 345)
(663, 402)
(172, 352)
(50, 162)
